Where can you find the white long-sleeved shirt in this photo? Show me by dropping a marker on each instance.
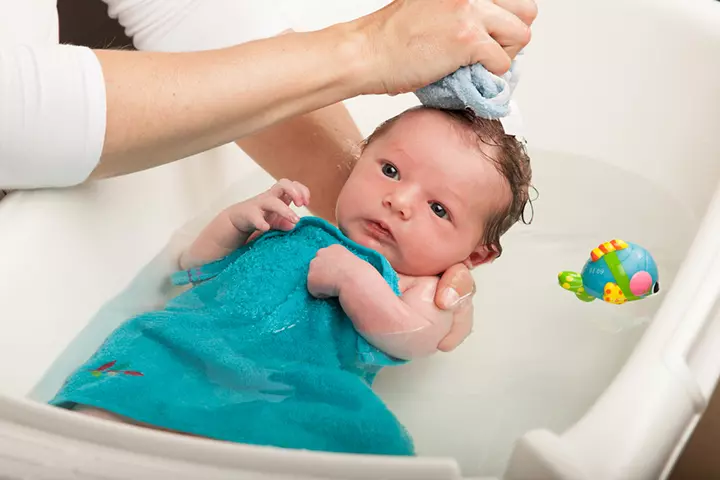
(52, 96)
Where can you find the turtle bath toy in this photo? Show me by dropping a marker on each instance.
(617, 272)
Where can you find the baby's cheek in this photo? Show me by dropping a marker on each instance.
(427, 259)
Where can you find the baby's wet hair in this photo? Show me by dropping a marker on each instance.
(509, 156)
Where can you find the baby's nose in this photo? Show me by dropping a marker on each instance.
(399, 206)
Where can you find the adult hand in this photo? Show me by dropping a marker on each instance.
(455, 292)
(413, 43)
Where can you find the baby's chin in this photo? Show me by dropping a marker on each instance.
(414, 268)
(417, 269)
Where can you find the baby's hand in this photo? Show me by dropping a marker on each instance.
(270, 209)
(330, 269)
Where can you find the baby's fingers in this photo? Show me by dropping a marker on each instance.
(273, 205)
(257, 219)
(289, 191)
(305, 191)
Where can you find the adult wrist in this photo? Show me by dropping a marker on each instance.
(354, 59)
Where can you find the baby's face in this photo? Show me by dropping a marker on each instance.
(421, 195)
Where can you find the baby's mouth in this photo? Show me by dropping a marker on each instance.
(378, 230)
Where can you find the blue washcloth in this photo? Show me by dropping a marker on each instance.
(475, 88)
(248, 355)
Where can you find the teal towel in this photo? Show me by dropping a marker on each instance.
(248, 355)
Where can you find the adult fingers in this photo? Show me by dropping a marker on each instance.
(525, 10)
(455, 285)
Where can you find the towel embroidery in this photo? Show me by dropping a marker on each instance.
(111, 370)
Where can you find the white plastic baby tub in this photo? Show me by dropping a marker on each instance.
(622, 112)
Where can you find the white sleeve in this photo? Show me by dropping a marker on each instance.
(52, 98)
(191, 25)
(52, 115)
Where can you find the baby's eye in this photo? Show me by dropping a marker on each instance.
(438, 210)
(390, 171)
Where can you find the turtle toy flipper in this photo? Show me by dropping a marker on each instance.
(573, 281)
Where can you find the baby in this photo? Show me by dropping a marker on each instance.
(289, 319)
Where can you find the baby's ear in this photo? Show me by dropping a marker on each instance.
(482, 254)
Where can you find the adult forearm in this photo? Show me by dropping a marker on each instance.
(317, 149)
(373, 307)
(166, 106)
(383, 319)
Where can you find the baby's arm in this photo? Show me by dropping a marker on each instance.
(235, 225)
(404, 327)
